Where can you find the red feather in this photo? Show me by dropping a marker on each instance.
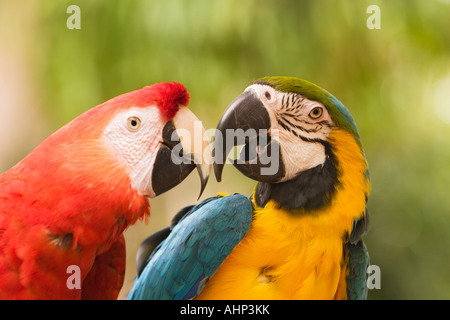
(68, 203)
(105, 279)
(168, 96)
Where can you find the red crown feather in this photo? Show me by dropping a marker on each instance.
(167, 95)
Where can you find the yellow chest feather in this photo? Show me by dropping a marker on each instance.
(290, 259)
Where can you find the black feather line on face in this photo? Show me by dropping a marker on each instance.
(292, 125)
(290, 128)
(311, 190)
(291, 102)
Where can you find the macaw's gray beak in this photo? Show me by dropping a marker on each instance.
(247, 122)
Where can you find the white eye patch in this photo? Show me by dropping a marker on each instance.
(134, 135)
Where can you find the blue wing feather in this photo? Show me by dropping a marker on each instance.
(196, 247)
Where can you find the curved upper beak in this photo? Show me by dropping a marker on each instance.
(247, 122)
(185, 146)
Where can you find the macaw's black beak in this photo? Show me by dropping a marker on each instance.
(247, 122)
(180, 152)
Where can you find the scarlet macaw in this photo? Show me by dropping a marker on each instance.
(68, 202)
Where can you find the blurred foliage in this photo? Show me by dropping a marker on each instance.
(395, 81)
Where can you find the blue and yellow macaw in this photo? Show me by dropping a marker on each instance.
(299, 235)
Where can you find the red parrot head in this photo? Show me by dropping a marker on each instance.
(141, 143)
(158, 138)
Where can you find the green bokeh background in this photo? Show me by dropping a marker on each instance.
(395, 81)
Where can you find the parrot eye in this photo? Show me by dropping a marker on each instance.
(133, 123)
(267, 94)
(316, 113)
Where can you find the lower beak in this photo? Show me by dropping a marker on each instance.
(185, 147)
(247, 122)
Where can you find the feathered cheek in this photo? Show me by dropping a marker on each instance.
(299, 156)
(137, 152)
(141, 167)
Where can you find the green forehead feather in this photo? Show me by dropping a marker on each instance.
(338, 112)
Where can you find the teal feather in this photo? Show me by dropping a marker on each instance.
(358, 262)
